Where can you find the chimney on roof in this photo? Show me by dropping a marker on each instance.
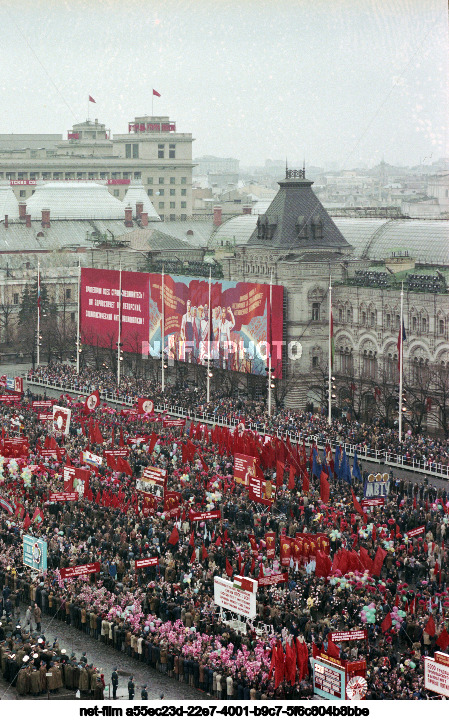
(28, 221)
(144, 219)
(129, 217)
(45, 217)
(247, 209)
(6, 221)
(217, 215)
(22, 209)
(139, 209)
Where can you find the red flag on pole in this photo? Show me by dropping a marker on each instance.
(386, 623)
(91, 100)
(430, 626)
(155, 92)
(229, 569)
(174, 537)
(193, 556)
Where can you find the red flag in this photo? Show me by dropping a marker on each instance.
(290, 663)
(204, 553)
(229, 569)
(378, 561)
(144, 405)
(123, 466)
(333, 650)
(192, 539)
(174, 537)
(386, 623)
(152, 443)
(155, 92)
(98, 438)
(279, 473)
(121, 441)
(302, 658)
(430, 626)
(27, 522)
(443, 640)
(279, 667)
(324, 487)
(193, 556)
(374, 534)
(358, 507)
(91, 100)
(315, 650)
(218, 541)
(305, 482)
(92, 401)
(291, 479)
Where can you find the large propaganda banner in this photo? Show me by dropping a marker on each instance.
(234, 330)
(244, 468)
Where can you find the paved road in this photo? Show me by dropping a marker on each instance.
(105, 658)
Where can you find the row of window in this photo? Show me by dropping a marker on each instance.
(132, 150)
(68, 295)
(90, 175)
(172, 205)
(162, 191)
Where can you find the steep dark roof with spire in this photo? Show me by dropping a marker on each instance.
(296, 220)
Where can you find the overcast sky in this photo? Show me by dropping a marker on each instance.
(345, 81)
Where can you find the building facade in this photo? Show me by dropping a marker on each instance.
(152, 153)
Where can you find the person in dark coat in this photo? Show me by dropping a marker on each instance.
(144, 693)
(131, 688)
(114, 680)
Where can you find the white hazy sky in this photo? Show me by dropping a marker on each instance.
(347, 81)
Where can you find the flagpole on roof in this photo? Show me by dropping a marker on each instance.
(329, 402)
(401, 360)
(78, 321)
(163, 329)
(209, 321)
(119, 340)
(38, 310)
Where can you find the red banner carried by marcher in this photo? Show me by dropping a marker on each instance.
(63, 496)
(285, 550)
(260, 491)
(92, 401)
(74, 571)
(204, 515)
(420, 531)
(270, 540)
(144, 405)
(75, 480)
(273, 580)
(244, 468)
(172, 504)
(145, 562)
(173, 422)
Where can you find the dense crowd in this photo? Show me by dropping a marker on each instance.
(165, 614)
(374, 436)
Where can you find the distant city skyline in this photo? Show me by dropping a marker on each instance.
(345, 83)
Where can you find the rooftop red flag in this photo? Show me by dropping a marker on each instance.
(229, 569)
(174, 537)
(91, 100)
(386, 623)
(430, 626)
(155, 92)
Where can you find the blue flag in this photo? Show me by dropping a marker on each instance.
(355, 468)
(316, 465)
(344, 468)
(337, 462)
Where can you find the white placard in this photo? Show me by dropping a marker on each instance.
(234, 599)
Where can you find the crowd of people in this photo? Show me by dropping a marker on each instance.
(34, 666)
(373, 437)
(164, 614)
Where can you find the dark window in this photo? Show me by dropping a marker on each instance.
(315, 361)
(183, 205)
(23, 193)
(150, 191)
(441, 327)
(172, 205)
(68, 293)
(161, 181)
(149, 181)
(183, 216)
(172, 191)
(128, 150)
(183, 191)
(161, 191)
(315, 311)
(161, 205)
(160, 151)
(72, 316)
(135, 150)
(172, 216)
(183, 181)
(172, 181)
(15, 299)
(172, 151)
